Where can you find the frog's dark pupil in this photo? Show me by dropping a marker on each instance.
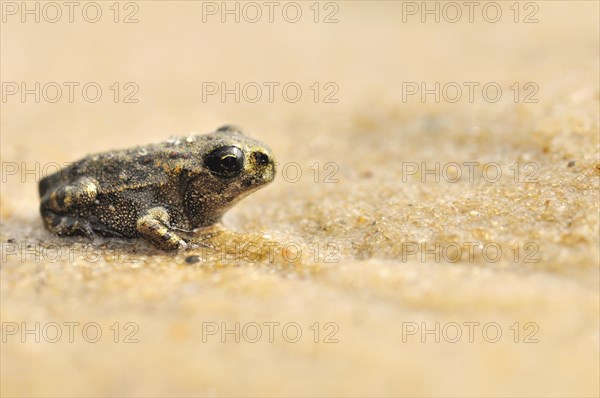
(261, 158)
(226, 161)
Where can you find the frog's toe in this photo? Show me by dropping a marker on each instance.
(64, 225)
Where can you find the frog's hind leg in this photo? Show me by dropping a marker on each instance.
(65, 225)
(80, 193)
(56, 204)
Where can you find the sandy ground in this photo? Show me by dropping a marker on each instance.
(368, 277)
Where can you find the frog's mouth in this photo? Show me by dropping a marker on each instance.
(265, 176)
(253, 183)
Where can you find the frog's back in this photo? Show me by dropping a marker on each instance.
(133, 168)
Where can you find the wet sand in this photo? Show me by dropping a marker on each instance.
(407, 247)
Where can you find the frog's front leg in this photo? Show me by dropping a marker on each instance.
(154, 226)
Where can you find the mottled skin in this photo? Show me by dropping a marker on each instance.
(157, 192)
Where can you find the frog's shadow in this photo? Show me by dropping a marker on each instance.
(101, 246)
(212, 241)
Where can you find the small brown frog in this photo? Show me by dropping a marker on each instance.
(156, 191)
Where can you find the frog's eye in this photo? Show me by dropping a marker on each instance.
(227, 161)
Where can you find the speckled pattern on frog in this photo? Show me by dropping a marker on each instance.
(159, 191)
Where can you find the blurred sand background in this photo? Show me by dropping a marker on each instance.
(372, 295)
